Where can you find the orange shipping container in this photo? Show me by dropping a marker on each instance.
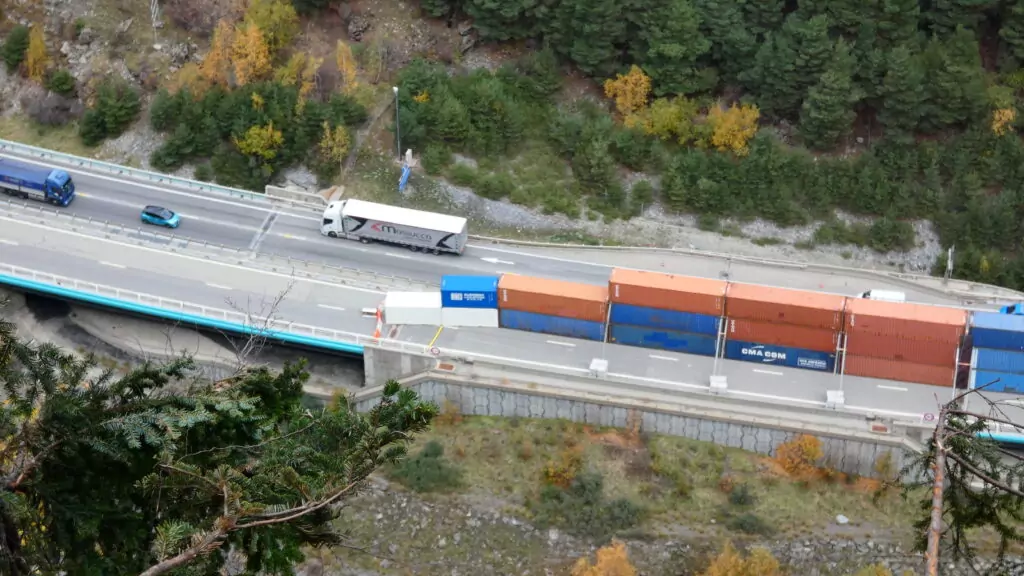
(902, 371)
(667, 291)
(902, 349)
(800, 307)
(911, 321)
(782, 334)
(553, 297)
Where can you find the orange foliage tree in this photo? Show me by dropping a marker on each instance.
(346, 66)
(216, 67)
(630, 91)
(760, 562)
(800, 455)
(612, 560)
(36, 58)
(250, 55)
(1002, 120)
(733, 127)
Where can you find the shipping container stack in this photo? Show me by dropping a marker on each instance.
(900, 341)
(553, 307)
(997, 362)
(469, 301)
(665, 311)
(783, 327)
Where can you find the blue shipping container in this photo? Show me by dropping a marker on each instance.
(997, 331)
(469, 291)
(780, 355)
(662, 339)
(989, 360)
(571, 327)
(665, 319)
(1009, 383)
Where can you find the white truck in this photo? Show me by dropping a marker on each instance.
(415, 229)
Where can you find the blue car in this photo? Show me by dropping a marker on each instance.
(160, 216)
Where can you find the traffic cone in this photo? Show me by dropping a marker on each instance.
(380, 322)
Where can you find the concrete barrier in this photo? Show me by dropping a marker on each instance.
(295, 195)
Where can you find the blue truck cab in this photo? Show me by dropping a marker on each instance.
(36, 182)
(1013, 309)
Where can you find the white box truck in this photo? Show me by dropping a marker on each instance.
(415, 229)
(412, 308)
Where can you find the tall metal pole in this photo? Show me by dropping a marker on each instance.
(398, 126)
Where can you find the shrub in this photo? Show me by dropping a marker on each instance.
(563, 472)
(749, 523)
(92, 129)
(204, 173)
(436, 157)
(61, 82)
(887, 234)
(14, 49)
(117, 106)
(463, 175)
(800, 455)
(428, 471)
(582, 509)
(52, 109)
(759, 562)
(741, 496)
(495, 186)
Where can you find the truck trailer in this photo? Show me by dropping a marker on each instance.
(36, 182)
(371, 222)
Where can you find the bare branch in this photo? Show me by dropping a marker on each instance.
(983, 476)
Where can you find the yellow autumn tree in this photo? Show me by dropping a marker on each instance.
(300, 70)
(1002, 120)
(36, 59)
(346, 66)
(730, 562)
(290, 73)
(630, 91)
(250, 55)
(261, 141)
(667, 119)
(276, 19)
(216, 67)
(612, 560)
(733, 127)
(189, 76)
(800, 455)
(308, 77)
(334, 144)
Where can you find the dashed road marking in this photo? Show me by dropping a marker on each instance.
(8, 242)
(656, 357)
(329, 307)
(112, 264)
(566, 344)
(218, 286)
(896, 388)
(398, 256)
(768, 372)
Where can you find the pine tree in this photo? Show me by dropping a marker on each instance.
(764, 16)
(504, 20)
(591, 34)
(14, 47)
(897, 22)
(815, 48)
(1012, 35)
(667, 42)
(956, 81)
(903, 93)
(827, 113)
(36, 59)
(732, 43)
(772, 76)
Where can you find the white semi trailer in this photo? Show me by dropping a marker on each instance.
(415, 229)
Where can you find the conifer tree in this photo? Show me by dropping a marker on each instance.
(1011, 32)
(667, 41)
(827, 113)
(788, 63)
(591, 33)
(733, 45)
(897, 22)
(764, 16)
(503, 20)
(956, 81)
(903, 93)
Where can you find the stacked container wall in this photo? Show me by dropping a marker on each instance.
(782, 335)
(553, 298)
(911, 321)
(901, 371)
(664, 319)
(556, 325)
(469, 317)
(998, 382)
(469, 291)
(902, 349)
(701, 344)
(782, 305)
(667, 291)
(1000, 331)
(779, 355)
(988, 360)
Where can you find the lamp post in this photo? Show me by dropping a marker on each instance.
(398, 127)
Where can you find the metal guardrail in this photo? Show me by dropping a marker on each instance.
(267, 261)
(60, 158)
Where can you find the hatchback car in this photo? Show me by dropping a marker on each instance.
(160, 216)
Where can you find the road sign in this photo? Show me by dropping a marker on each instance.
(405, 177)
(435, 351)
(929, 417)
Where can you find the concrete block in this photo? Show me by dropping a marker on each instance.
(719, 385)
(598, 367)
(834, 399)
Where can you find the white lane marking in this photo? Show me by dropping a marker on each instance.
(141, 184)
(329, 307)
(896, 388)
(398, 256)
(768, 372)
(112, 264)
(293, 237)
(496, 261)
(914, 416)
(218, 286)
(784, 399)
(8, 242)
(557, 343)
(656, 357)
(51, 230)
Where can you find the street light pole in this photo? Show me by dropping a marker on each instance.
(398, 126)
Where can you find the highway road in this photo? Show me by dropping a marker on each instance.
(293, 232)
(215, 284)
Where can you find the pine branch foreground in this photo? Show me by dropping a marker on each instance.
(157, 472)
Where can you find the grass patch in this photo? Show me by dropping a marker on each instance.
(62, 139)
(671, 480)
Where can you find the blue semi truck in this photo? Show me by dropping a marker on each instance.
(35, 182)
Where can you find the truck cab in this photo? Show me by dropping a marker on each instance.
(29, 181)
(1013, 309)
